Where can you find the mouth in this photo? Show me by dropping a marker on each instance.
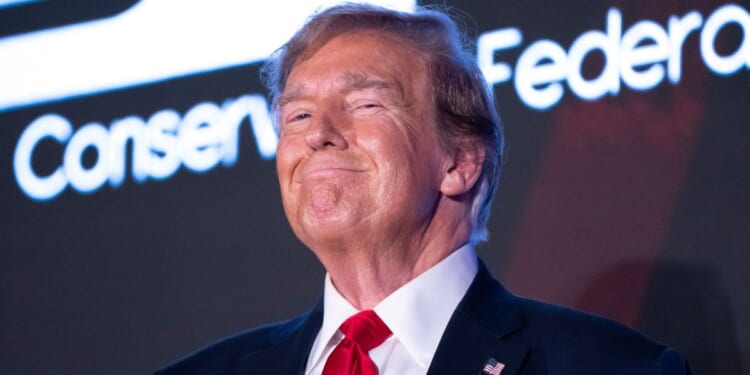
(326, 166)
(327, 172)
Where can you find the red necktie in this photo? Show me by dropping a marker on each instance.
(362, 332)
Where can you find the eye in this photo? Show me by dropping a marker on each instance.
(301, 116)
(366, 107)
(296, 117)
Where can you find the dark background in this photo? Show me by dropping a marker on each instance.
(635, 206)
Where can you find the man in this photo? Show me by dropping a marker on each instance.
(389, 153)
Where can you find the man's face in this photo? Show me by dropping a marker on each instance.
(359, 156)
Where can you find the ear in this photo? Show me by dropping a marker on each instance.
(464, 170)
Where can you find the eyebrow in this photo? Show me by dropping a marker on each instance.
(349, 81)
(353, 81)
(291, 94)
(357, 81)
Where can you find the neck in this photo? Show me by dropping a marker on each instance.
(366, 272)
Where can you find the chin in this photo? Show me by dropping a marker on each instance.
(324, 230)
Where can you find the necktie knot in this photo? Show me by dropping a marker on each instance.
(366, 329)
(362, 332)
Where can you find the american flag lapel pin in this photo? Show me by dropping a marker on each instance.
(493, 367)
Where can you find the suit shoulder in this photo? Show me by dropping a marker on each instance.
(555, 323)
(573, 338)
(220, 357)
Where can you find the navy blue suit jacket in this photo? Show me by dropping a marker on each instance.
(529, 337)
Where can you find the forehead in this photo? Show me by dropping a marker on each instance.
(347, 79)
(358, 59)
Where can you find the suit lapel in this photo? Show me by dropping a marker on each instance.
(475, 334)
(289, 354)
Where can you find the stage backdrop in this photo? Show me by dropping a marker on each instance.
(141, 216)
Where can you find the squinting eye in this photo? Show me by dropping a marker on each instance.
(367, 107)
(301, 116)
(294, 120)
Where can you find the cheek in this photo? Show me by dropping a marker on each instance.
(398, 173)
(416, 169)
(286, 162)
(286, 158)
(386, 142)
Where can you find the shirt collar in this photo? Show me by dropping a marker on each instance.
(417, 313)
(336, 309)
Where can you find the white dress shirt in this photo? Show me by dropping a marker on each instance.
(417, 314)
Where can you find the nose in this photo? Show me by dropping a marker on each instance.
(325, 132)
